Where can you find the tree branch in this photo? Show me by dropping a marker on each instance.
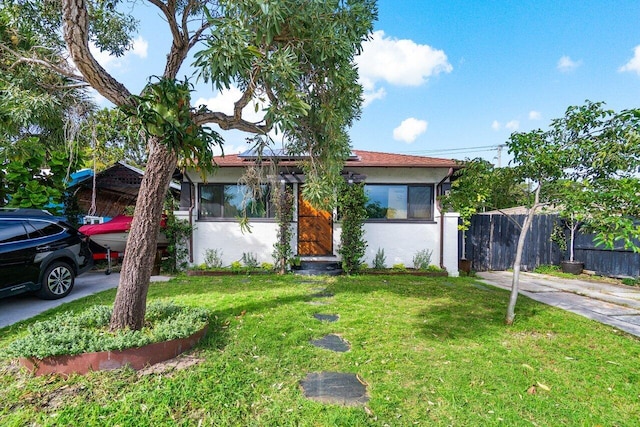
(76, 35)
(227, 122)
(44, 63)
(66, 87)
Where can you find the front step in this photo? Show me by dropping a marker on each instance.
(317, 268)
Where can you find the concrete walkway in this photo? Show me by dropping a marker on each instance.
(22, 307)
(615, 305)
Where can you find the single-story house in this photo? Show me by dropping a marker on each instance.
(404, 215)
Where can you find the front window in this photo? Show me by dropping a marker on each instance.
(230, 200)
(397, 201)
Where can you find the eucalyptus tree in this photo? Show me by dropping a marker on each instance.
(296, 56)
(41, 111)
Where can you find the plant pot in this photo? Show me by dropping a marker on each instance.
(572, 267)
(464, 265)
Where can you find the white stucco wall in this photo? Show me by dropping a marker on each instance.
(227, 237)
(400, 240)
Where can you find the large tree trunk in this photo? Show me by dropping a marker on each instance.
(131, 297)
(515, 284)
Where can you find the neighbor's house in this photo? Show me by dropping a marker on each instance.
(110, 192)
(404, 216)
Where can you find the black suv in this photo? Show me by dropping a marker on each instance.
(40, 253)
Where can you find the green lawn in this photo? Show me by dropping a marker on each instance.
(433, 351)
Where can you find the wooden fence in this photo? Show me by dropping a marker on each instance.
(491, 242)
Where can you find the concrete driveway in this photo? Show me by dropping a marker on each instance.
(614, 305)
(21, 307)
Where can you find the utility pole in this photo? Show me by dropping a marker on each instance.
(499, 155)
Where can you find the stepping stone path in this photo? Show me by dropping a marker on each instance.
(332, 342)
(320, 293)
(327, 317)
(333, 387)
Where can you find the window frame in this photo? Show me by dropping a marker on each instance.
(221, 186)
(407, 187)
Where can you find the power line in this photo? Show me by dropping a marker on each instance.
(458, 150)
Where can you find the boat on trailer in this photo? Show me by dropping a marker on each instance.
(112, 235)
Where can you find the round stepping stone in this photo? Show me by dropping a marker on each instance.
(326, 317)
(332, 342)
(335, 387)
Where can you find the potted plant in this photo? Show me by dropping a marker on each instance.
(295, 263)
(571, 265)
(574, 212)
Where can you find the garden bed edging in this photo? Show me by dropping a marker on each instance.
(137, 357)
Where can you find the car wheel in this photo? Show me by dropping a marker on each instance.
(57, 281)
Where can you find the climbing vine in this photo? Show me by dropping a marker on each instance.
(178, 232)
(282, 199)
(351, 206)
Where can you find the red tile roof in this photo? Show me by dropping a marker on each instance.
(364, 159)
(377, 159)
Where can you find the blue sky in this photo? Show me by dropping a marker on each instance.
(453, 79)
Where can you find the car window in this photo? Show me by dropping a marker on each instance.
(44, 228)
(12, 231)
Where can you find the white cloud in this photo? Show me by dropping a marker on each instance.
(372, 95)
(397, 62)
(634, 63)
(409, 130)
(513, 125)
(223, 102)
(495, 125)
(535, 115)
(229, 149)
(140, 47)
(566, 64)
(110, 62)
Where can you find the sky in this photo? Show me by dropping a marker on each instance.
(454, 79)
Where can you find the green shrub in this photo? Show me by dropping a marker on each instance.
(380, 260)
(399, 267)
(213, 258)
(236, 266)
(266, 266)
(75, 333)
(434, 268)
(295, 261)
(351, 206)
(250, 260)
(547, 269)
(422, 259)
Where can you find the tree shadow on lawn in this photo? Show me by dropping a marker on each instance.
(471, 317)
(223, 284)
(220, 321)
(454, 308)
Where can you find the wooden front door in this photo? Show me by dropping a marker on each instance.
(315, 230)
